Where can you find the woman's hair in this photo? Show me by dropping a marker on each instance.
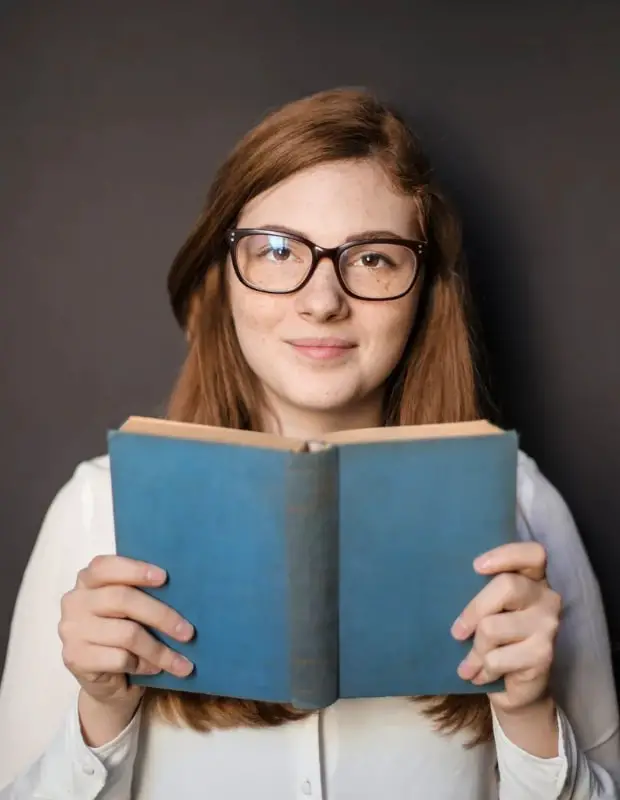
(435, 380)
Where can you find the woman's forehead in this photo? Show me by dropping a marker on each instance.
(331, 202)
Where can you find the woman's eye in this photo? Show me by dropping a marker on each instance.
(274, 253)
(276, 249)
(280, 253)
(373, 260)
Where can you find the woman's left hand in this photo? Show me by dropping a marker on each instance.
(514, 622)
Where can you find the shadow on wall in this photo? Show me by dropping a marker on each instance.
(496, 256)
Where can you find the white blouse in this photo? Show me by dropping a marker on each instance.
(356, 749)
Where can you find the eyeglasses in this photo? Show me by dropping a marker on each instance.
(281, 263)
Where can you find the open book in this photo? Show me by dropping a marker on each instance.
(314, 571)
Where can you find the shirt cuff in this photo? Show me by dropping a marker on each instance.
(525, 775)
(70, 770)
(116, 753)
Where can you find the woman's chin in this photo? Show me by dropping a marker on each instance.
(330, 404)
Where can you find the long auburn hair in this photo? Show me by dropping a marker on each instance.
(435, 380)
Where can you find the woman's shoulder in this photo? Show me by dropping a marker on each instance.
(543, 516)
(531, 484)
(89, 476)
(83, 505)
(540, 506)
(94, 469)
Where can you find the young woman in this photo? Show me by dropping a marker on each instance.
(321, 289)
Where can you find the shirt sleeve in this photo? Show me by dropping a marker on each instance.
(42, 753)
(568, 776)
(588, 765)
(69, 770)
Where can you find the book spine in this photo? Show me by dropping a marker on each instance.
(312, 549)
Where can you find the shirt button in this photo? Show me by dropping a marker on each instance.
(306, 787)
(87, 770)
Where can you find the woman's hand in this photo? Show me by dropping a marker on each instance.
(103, 639)
(514, 622)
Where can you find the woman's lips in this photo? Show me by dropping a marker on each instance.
(321, 349)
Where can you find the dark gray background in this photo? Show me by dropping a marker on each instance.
(114, 116)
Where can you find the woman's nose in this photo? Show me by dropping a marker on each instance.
(322, 297)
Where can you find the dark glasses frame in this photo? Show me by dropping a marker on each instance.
(234, 235)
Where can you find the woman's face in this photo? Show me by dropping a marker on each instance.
(319, 351)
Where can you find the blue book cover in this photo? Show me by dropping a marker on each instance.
(315, 570)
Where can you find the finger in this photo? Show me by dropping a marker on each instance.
(530, 659)
(493, 632)
(146, 668)
(96, 659)
(507, 627)
(505, 592)
(130, 636)
(104, 570)
(482, 677)
(132, 603)
(528, 558)
(470, 666)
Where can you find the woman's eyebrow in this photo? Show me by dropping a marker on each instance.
(372, 234)
(278, 229)
(367, 234)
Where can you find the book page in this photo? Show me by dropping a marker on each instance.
(409, 432)
(151, 426)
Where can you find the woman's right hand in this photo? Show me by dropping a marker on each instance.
(103, 638)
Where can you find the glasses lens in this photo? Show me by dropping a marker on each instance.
(378, 271)
(273, 262)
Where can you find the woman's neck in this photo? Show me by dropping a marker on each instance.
(302, 423)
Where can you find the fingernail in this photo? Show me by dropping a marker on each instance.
(181, 666)
(482, 562)
(466, 670)
(459, 629)
(155, 575)
(184, 630)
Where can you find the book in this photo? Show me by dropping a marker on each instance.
(314, 571)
